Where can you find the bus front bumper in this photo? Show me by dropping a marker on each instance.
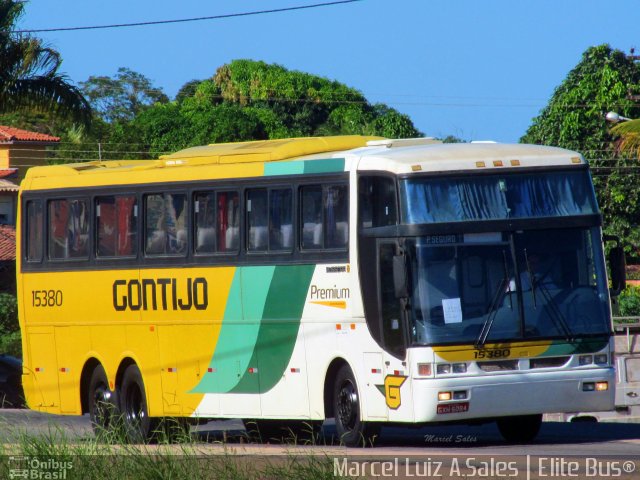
(474, 397)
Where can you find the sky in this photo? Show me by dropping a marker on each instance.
(478, 70)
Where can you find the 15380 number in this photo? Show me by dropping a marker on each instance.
(499, 353)
(46, 298)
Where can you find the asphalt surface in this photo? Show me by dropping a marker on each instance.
(555, 438)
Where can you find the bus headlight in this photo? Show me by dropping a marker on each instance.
(601, 359)
(443, 368)
(585, 360)
(459, 368)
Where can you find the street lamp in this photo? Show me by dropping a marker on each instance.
(615, 117)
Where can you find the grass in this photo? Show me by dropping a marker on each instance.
(108, 455)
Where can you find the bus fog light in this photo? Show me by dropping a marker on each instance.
(601, 359)
(602, 386)
(585, 360)
(459, 368)
(460, 395)
(443, 368)
(588, 387)
(444, 396)
(424, 369)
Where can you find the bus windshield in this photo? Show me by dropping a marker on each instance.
(497, 197)
(478, 288)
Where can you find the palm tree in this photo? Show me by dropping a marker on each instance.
(629, 133)
(29, 78)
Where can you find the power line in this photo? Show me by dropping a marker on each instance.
(185, 20)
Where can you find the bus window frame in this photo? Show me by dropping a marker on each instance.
(194, 224)
(90, 243)
(26, 225)
(185, 192)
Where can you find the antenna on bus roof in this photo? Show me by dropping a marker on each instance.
(402, 142)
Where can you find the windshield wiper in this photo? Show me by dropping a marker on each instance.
(556, 315)
(503, 286)
(532, 279)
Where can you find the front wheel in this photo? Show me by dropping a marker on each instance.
(520, 429)
(352, 431)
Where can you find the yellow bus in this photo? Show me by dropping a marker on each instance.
(368, 280)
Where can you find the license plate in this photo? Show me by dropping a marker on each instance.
(453, 408)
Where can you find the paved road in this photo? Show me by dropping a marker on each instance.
(581, 439)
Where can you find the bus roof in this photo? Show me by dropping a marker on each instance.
(464, 156)
(251, 159)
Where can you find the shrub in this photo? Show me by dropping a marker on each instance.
(8, 313)
(11, 344)
(629, 302)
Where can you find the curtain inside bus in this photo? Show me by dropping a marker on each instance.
(494, 197)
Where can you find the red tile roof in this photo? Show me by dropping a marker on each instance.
(7, 243)
(11, 134)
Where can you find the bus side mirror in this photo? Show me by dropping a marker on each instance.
(617, 265)
(400, 276)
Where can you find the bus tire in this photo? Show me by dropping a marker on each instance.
(520, 429)
(102, 402)
(351, 430)
(138, 426)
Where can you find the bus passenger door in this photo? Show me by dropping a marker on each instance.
(393, 388)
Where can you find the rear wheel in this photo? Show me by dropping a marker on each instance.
(352, 431)
(138, 426)
(520, 429)
(103, 407)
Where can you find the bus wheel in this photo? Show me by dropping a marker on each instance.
(352, 431)
(521, 429)
(138, 426)
(103, 407)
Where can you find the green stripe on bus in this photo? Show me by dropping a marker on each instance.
(278, 329)
(283, 168)
(328, 165)
(240, 327)
(580, 345)
(324, 166)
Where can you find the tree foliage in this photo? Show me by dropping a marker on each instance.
(29, 77)
(123, 96)
(575, 118)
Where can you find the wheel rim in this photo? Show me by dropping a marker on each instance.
(102, 405)
(348, 405)
(134, 405)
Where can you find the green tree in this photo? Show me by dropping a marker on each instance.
(29, 76)
(122, 97)
(574, 119)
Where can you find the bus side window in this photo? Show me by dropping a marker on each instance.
(258, 239)
(280, 218)
(228, 221)
(337, 217)
(205, 215)
(217, 222)
(166, 224)
(68, 229)
(35, 232)
(377, 200)
(117, 226)
(325, 216)
(311, 208)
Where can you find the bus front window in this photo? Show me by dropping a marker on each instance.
(492, 287)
